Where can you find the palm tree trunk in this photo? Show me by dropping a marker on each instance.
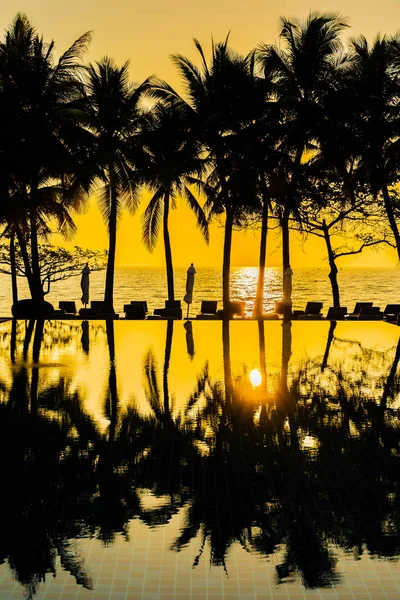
(14, 284)
(391, 217)
(332, 264)
(37, 343)
(261, 346)
(25, 258)
(112, 244)
(35, 264)
(167, 247)
(289, 207)
(112, 408)
(285, 240)
(13, 343)
(28, 336)
(167, 359)
(259, 303)
(226, 348)
(226, 266)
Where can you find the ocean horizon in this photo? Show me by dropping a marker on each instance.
(380, 285)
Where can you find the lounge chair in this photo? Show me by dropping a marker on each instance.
(312, 312)
(370, 313)
(136, 310)
(391, 313)
(336, 313)
(235, 309)
(172, 310)
(68, 308)
(98, 310)
(208, 310)
(281, 308)
(357, 309)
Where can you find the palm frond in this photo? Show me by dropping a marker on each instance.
(71, 58)
(103, 194)
(193, 204)
(151, 219)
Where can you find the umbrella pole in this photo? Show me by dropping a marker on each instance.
(187, 315)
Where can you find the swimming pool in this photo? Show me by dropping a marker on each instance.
(159, 460)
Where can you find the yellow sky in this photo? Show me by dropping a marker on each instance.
(147, 33)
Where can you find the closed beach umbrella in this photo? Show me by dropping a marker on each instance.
(287, 286)
(188, 297)
(189, 339)
(85, 336)
(85, 284)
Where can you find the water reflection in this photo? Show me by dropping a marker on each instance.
(284, 441)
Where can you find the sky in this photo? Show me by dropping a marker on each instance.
(147, 33)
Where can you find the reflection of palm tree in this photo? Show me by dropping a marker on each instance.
(226, 348)
(240, 478)
(261, 345)
(111, 398)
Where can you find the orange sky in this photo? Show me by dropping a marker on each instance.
(147, 33)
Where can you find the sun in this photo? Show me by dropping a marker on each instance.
(255, 377)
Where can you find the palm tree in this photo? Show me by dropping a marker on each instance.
(113, 111)
(302, 74)
(373, 89)
(222, 99)
(169, 164)
(41, 137)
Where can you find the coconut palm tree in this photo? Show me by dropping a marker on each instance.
(41, 137)
(222, 99)
(112, 110)
(373, 92)
(302, 72)
(169, 164)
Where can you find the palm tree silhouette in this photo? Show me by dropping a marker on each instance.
(40, 137)
(221, 102)
(302, 74)
(112, 112)
(169, 165)
(372, 95)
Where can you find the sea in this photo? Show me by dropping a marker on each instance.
(379, 285)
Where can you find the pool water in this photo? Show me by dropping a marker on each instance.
(199, 460)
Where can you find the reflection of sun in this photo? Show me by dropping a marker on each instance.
(255, 377)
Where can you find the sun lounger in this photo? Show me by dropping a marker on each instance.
(312, 312)
(172, 310)
(359, 306)
(336, 313)
(98, 310)
(208, 310)
(357, 309)
(370, 313)
(136, 310)
(235, 309)
(68, 308)
(391, 313)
